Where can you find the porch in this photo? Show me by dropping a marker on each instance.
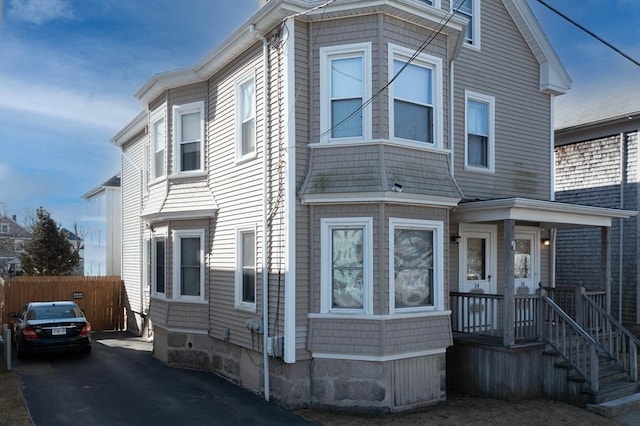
(561, 344)
(513, 338)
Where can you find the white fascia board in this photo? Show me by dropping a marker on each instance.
(181, 215)
(132, 128)
(537, 211)
(275, 12)
(380, 197)
(554, 78)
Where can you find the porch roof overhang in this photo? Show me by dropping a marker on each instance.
(550, 214)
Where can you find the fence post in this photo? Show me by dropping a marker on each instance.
(6, 335)
(580, 291)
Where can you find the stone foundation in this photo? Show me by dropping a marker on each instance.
(349, 385)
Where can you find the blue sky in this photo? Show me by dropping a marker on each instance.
(69, 70)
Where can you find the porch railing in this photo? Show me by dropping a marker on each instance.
(574, 344)
(483, 315)
(567, 297)
(618, 342)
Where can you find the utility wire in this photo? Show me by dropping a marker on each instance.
(591, 33)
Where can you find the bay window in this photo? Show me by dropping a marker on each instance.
(188, 136)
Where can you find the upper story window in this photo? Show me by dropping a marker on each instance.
(416, 252)
(188, 265)
(4, 228)
(435, 3)
(415, 97)
(246, 268)
(345, 88)
(347, 265)
(188, 136)
(19, 246)
(158, 145)
(469, 9)
(479, 132)
(246, 118)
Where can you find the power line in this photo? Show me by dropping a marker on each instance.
(591, 33)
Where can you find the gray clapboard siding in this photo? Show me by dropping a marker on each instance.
(505, 68)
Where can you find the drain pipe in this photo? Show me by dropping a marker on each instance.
(621, 233)
(265, 267)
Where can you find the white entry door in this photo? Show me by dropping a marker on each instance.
(477, 254)
(526, 269)
(526, 261)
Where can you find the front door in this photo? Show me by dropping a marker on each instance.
(477, 254)
(526, 273)
(525, 263)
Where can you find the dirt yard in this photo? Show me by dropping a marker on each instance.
(461, 410)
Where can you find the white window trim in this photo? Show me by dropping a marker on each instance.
(491, 157)
(436, 3)
(177, 236)
(154, 118)
(426, 61)
(347, 50)
(239, 303)
(241, 82)
(326, 225)
(438, 262)
(179, 110)
(4, 228)
(475, 17)
(153, 270)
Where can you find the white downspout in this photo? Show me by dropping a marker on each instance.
(265, 244)
(451, 122)
(621, 233)
(552, 189)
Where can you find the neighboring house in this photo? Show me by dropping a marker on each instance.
(13, 238)
(382, 171)
(103, 229)
(597, 156)
(78, 245)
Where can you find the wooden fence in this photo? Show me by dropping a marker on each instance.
(99, 297)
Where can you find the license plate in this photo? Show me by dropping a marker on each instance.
(58, 331)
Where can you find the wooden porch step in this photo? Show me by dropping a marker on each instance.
(612, 391)
(618, 408)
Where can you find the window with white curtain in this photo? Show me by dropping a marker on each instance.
(479, 133)
(246, 118)
(416, 265)
(347, 265)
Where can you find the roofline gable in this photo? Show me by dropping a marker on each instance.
(554, 78)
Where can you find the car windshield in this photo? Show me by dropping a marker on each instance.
(52, 312)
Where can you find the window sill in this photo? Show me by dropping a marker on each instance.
(187, 175)
(391, 142)
(479, 170)
(246, 158)
(384, 317)
(246, 308)
(189, 301)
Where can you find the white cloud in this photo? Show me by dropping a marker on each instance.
(67, 104)
(40, 11)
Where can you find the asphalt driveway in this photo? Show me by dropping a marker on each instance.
(121, 383)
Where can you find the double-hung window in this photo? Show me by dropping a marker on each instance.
(158, 265)
(416, 265)
(188, 265)
(188, 136)
(158, 144)
(479, 133)
(469, 9)
(246, 268)
(347, 265)
(345, 90)
(415, 97)
(246, 118)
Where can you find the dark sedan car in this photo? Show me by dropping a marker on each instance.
(50, 327)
